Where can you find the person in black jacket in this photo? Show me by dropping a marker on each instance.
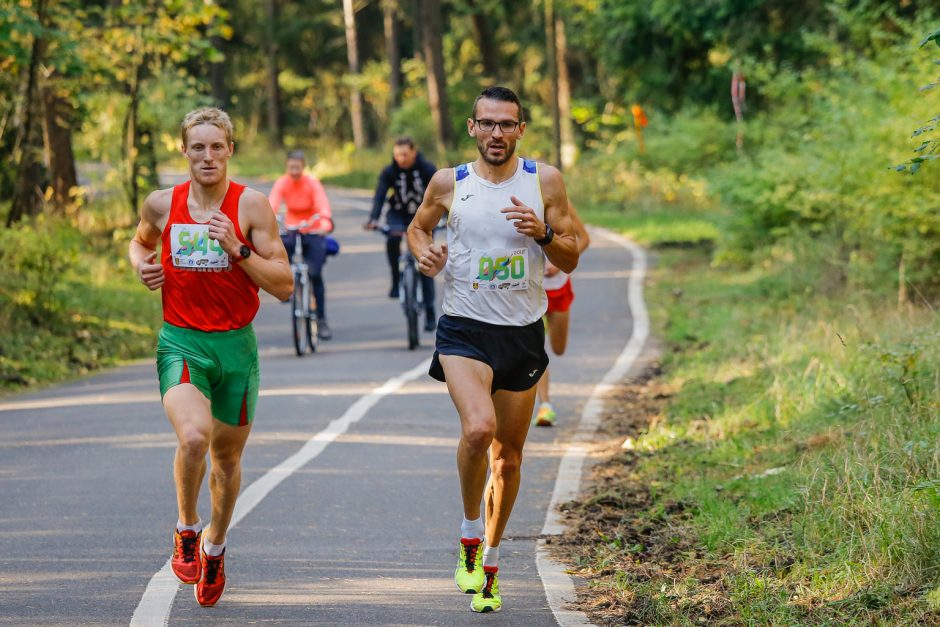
(407, 177)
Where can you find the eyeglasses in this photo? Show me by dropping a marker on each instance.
(506, 126)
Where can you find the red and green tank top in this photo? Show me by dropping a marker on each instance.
(203, 288)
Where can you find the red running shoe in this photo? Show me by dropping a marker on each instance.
(209, 589)
(185, 562)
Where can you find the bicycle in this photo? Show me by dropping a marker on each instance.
(303, 316)
(410, 293)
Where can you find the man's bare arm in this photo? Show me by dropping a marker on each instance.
(562, 251)
(431, 257)
(142, 251)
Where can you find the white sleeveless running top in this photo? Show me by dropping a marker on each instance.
(493, 273)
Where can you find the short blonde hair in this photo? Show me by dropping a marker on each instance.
(208, 115)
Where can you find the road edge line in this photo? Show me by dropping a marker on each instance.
(558, 584)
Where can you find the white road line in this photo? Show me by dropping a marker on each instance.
(157, 601)
(559, 587)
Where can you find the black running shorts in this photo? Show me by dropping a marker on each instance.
(516, 354)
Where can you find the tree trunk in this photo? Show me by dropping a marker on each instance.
(389, 9)
(569, 150)
(352, 54)
(217, 77)
(275, 128)
(487, 46)
(553, 73)
(59, 154)
(27, 187)
(131, 184)
(434, 59)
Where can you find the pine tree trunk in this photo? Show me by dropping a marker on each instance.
(58, 136)
(437, 86)
(485, 43)
(568, 146)
(553, 73)
(27, 186)
(275, 129)
(352, 54)
(390, 23)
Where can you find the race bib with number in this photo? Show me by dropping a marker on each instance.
(499, 269)
(193, 248)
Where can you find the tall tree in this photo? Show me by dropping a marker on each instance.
(275, 127)
(390, 26)
(59, 118)
(434, 60)
(550, 61)
(486, 43)
(352, 54)
(568, 148)
(27, 190)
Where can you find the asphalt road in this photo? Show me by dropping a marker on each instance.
(363, 532)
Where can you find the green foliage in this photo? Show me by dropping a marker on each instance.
(928, 147)
(69, 303)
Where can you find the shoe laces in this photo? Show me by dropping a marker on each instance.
(213, 567)
(470, 555)
(488, 589)
(187, 547)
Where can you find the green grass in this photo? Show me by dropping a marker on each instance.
(835, 394)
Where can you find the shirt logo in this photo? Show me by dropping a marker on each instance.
(532, 374)
(465, 197)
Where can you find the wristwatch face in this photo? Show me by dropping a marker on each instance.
(245, 252)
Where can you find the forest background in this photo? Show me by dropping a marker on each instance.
(782, 462)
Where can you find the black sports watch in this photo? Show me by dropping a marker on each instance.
(549, 236)
(243, 253)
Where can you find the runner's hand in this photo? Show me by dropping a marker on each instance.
(370, 226)
(150, 273)
(222, 229)
(524, 218)
(433, 261)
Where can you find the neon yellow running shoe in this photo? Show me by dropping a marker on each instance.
(545, 416)
(469, 575)
(488, 599)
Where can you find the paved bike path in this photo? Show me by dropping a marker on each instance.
(363, 534)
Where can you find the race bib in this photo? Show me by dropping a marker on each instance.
(193, 248)
(499, 269)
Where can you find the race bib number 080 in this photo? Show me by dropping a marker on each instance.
(499, 269)
(193, 248)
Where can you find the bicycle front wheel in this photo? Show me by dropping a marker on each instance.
(299, 319)
(409, 284)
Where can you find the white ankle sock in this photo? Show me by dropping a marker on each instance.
(212, 550)
(472, 528)
(197, 526)
(491, 556)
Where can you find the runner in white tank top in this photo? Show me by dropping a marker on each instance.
(491, 340)
(493, 272)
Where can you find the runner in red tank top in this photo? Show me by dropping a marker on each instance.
(219, 244)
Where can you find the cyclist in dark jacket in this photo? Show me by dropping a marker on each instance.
(406, 177)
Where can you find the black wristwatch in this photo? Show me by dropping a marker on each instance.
(243, 253)
(549, 235)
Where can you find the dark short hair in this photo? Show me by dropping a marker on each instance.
(495, 92)
(404, 140)
(297, 154)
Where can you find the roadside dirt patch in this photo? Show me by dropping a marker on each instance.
(618, 537)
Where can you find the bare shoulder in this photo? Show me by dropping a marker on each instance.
(552, 184)
(442, 181)
(156, 206)
(253, 200)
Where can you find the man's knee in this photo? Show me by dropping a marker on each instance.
(508, 463)
(193, 442)
(479, 433)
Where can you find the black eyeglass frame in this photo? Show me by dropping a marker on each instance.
(480, 123)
